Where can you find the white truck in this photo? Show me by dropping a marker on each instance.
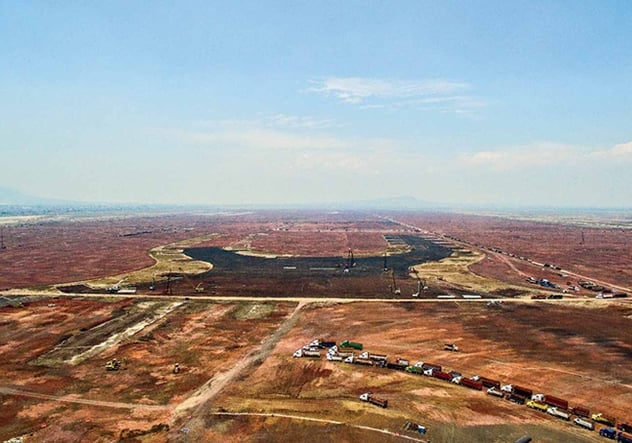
(587, 424)
(559, 414)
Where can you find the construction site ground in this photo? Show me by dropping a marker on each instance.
(234, 340)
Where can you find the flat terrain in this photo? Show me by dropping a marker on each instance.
(263, 285)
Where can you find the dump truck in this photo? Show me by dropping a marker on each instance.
(515, 398)
(450, 347)
(351, 344)
(495, 392)
(306, 353)
(375, 357)
(624, 438)
(525, 392)
(488, 382)
(414, 427)
(624, 427)
(472, 384)
(533, 404)
(555, 412)
(559, 403)
(608, 433)
(442, 375)
(363, 361)
(370, 398)
(431, 366)
(604, 419)
(581, 411)
(399, 364)
(584, 423)
(333, 357)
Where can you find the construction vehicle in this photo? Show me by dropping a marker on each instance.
(525, 392)
(450, 347)
(370, 398)
(168, 290)
(115, 288)
(113, 365)
(559, 403)
(533, 404)
(350, 263)
(414, 370)
(399, 364)
(608, 433)
(558, 413)
(414, 427)
(350, 344)
(431, 366)
(600, 418)
(363, 361)
(581, 411)
(369, 355)
(586, 424)
(197, 288)
(624, 427)
(306, 353)
(394, 289)
(495, 392)
(623, 438)
(472, 384)
(333, 357)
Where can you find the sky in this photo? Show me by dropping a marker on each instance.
(520, 103)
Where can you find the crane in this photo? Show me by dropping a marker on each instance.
(350, 263)
(394, 289)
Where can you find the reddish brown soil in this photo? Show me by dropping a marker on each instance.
(576, 353)
(204, 339)
(604, 253)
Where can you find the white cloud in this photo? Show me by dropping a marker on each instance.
(618, 152)
(545, 154)
(444, 95)
(299, 122)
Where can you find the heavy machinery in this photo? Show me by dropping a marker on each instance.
(394, 289)
(586, 424)
(558, 413)
(370, 398)
(600, 418)
(350, 263)
(197, 288)
(115, 288)
(350, 344)
(113, 365)
(534, 404)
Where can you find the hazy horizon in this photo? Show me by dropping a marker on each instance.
(509, 104)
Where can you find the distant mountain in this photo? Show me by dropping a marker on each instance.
(392, 203)
(13, 197)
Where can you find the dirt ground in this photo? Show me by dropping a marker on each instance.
(540, 346)
(54, 386)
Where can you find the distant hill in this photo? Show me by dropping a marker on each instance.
(12, 197)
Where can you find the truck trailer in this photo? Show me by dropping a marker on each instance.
(586, 424)
(370, 398)
(351, 344)
(472, 384)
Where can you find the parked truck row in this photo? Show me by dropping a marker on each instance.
(545, 403)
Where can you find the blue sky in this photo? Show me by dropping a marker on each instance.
(478, 102)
